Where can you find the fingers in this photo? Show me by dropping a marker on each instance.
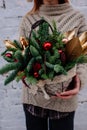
(70, 93)
(65, 40)
(67, 94)
(61, 96)
(64, 96)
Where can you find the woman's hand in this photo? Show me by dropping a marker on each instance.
(70, 93)
(65, 40)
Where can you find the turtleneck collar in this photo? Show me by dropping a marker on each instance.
(57, 9)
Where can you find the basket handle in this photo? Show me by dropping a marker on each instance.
(36, 24)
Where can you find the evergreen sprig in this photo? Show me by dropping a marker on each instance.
(9, 67)
(42, 58)
(11, 77)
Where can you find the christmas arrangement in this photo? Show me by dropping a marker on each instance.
(43, 57)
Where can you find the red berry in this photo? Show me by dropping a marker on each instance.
(9, 55)
(15, 60)
(36, 75)
(47, 46)
(60, 51)
(36, 67)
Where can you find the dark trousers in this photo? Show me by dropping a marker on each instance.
(38, 123)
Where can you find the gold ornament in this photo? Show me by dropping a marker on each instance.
(23, 42)
(73, 49)
(83, 41)
(75, 45)
(70, 34)
(9, 44)
(83, 38)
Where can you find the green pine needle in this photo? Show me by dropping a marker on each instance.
(19, 77)
(18, 55)
(82, 59)
(17, 44)
(9, 67)
(59, 69)
(11, 77)
(8, 59)
(50, 60)
(31, 80)
(8, 50)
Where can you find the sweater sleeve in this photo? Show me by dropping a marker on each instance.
(83, 25)
(24, 28)
(82, 68)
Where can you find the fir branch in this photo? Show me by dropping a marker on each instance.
(50, 60)
(31, 80)
(82, 59)
(44, 76)
(38, 58)
(11, 77)
(41, 71)
(18, 55)
(8, 59)
(30, 63)
(17, 44)
(56, 33)
(59, 69)
(20, 76)
(34, 51)
(55, 28)
(49, 65)
(43, 32)
(51, 74)
(26, 55)
(34, 43)
(34, 34)
(7, 50)
(9, 67)
(70, 65)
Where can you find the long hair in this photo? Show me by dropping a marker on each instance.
(38, 3)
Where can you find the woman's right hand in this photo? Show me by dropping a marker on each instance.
(70, 93)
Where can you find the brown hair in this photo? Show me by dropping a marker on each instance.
(38, 3)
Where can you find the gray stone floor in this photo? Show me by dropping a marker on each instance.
(11, 112)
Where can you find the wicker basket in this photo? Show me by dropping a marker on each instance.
(58, 84)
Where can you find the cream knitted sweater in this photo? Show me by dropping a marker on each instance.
(66, 19)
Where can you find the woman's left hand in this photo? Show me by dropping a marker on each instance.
(70, 93)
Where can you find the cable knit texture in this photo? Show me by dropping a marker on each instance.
(66, 19)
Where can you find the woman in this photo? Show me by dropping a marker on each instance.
(60, 109)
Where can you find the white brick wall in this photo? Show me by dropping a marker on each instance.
(11, 112)
(79, 2)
